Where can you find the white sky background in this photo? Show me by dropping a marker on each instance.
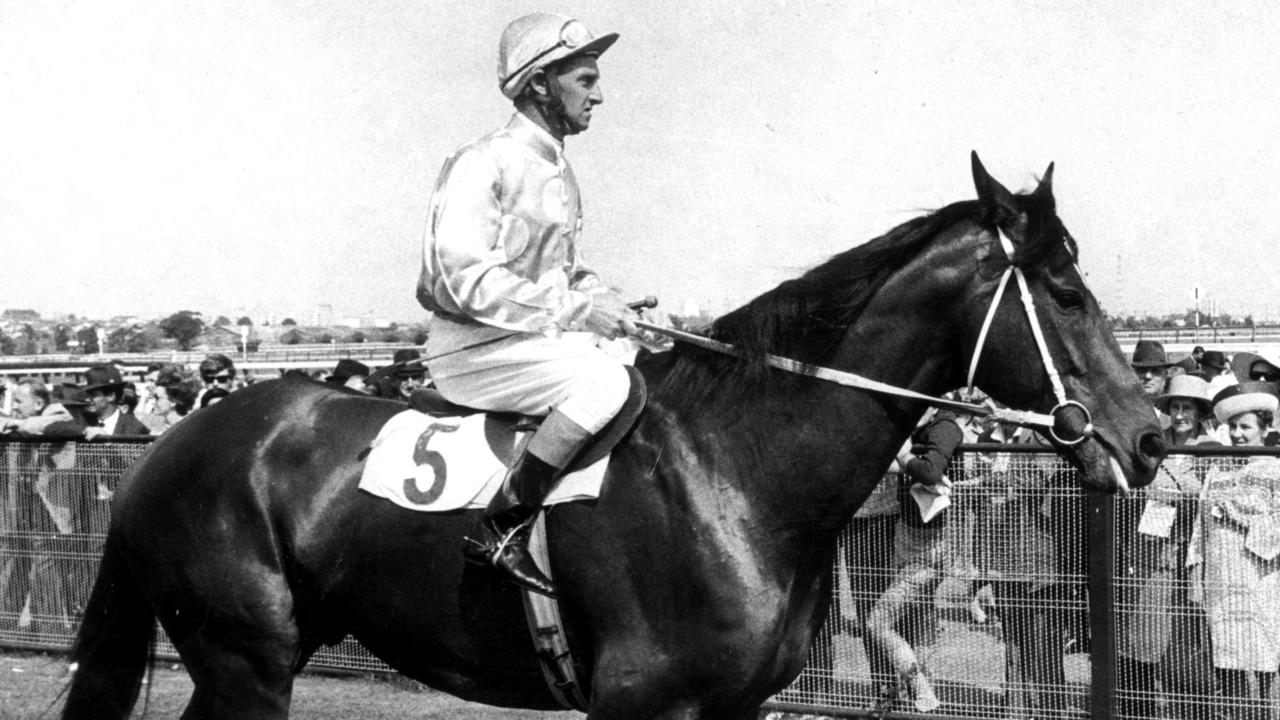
(157, 156)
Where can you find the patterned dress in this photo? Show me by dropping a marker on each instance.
(1239, 547)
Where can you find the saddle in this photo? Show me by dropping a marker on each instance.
(503, 430)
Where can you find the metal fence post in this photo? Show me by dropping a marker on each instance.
(1102, 626)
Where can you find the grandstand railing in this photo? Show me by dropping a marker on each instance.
(1064, 589)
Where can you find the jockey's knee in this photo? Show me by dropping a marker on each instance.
(598, 393)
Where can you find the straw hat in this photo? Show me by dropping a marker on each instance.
(1245, 397)
(1190, 387)
(535, 41)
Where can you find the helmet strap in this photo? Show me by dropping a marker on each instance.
(551, 108)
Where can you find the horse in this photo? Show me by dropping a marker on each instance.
(694, 585)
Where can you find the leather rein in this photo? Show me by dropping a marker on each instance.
(1041, 421)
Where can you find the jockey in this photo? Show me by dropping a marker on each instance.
(503, 277)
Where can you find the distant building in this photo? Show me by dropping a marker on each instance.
(20, 315)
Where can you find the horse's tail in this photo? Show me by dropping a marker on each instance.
(113, 647)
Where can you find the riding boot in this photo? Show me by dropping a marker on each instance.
(504, 535)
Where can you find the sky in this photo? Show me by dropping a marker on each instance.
(157, 156)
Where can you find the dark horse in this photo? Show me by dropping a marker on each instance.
(692, 588)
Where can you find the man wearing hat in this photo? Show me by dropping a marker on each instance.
(349, 374)
(1151, 366)
(1212, 364)
(503, 276)
(104, 388)
(409, 372)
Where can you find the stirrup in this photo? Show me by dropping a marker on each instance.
(493, 554)
(486, 550)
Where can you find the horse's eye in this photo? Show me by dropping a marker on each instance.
(1068, 299)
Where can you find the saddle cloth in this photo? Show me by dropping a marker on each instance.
(438, 464)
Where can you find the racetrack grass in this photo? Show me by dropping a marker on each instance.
(30, 684)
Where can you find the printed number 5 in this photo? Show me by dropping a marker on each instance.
(424, 455)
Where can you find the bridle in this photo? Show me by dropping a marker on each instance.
(1064, 405)
(1069, 435)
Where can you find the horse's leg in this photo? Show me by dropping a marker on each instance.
(242, 655)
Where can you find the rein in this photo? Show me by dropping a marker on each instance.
(1023, 418)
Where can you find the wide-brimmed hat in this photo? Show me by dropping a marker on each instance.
(1245, 364)
(1214, 359)
(347, 369)
(1190, 387)
(103, 377)
(1245, 397)
(1149, 354)
(535, 41)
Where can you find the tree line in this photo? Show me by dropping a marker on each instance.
(183, 330)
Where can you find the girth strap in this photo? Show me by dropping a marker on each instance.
(547, 629)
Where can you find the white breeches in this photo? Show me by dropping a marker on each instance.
(524, 373)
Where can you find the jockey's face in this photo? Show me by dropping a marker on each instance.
(577, 83)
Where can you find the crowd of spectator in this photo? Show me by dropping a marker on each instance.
(108, 404)
(1198, 606)
(50, 505)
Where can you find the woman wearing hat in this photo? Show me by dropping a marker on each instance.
(1239, 549)
(1160, 632)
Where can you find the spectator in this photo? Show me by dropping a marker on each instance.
(1161, 634)
(1035, 559)
(173, 397)
(1261, 367)
(217, 370)
(41, 513)
(33, 409)
(145, 390)
(1151, 366)
(1237, 547)
(1182, 367)
(919, 552)
(105, 389)
(1212, 364)
(409, 372)
(350, 374)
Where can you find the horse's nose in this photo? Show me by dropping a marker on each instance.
(1151, 450)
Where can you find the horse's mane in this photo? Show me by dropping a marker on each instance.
(806, 317)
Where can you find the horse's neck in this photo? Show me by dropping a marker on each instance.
(838, 449)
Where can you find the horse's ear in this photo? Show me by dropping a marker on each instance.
(997, 201)
(1045, 188)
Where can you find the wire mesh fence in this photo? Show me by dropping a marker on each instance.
(989, 617)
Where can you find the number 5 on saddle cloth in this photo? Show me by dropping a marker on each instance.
(441, 456)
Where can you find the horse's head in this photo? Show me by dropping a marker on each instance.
(1074, 359)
